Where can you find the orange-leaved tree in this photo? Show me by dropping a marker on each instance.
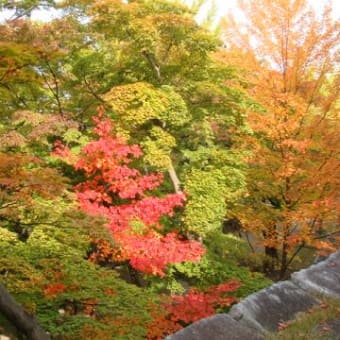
(290, 58)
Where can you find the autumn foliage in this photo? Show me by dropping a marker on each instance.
(182, 310)
(216, 158)
(289, 57)
(26, 182)
(114, 190)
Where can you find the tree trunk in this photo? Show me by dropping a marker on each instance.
(284, 256)
(284, 259)
(21, 320)
(135, 277)
(271, 259)
(270, 252)
(174, 178)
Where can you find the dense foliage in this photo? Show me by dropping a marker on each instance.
(293, 183)
(148, 172)
(109, 184)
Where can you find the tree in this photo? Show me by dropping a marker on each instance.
(19, 81)
(25, 187)
(290, 57)
(170, 97)
(118, 192)
(154, 70)
(159, 66)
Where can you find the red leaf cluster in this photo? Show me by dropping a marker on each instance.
(195, 305)
(119, 192)
(53, 290)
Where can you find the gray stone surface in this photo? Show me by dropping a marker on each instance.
(323, 277)
(265, 309)
(216, 327)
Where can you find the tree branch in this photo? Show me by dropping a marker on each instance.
(153, 63)
(326, 235)
(174, 178)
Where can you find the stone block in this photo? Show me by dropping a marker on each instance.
(264, 310)
(323, 277)
(216, 327)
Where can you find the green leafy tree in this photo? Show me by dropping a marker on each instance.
(171, 98)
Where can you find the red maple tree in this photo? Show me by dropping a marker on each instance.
(119, 192)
